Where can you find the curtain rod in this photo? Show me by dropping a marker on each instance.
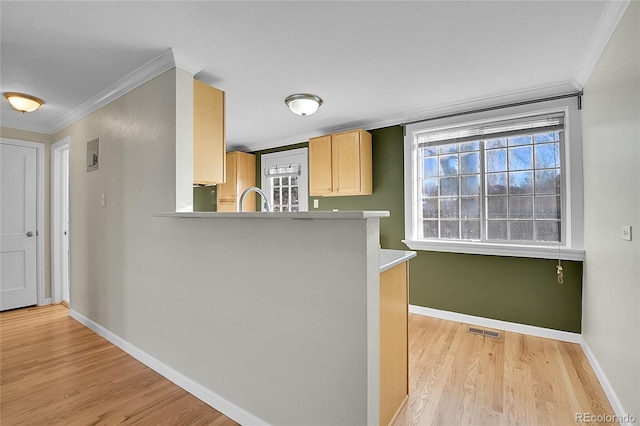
(493, 108)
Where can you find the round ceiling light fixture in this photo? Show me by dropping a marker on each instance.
(303, 103)
(23, 103)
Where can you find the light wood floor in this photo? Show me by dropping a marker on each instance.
(459, 378)
(54, 370)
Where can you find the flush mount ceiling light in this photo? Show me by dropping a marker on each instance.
(23, 103)
(303, 103)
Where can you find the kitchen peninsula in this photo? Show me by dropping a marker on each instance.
(279, 313)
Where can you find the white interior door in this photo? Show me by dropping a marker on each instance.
(65, 223)
(60, 221)
(18, 203)
(285, 179)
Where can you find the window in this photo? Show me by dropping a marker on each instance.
(285, 179)
(493, 186)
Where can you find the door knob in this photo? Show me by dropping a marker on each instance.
(30, 234)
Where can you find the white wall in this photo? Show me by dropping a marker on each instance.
(611, 294)
(271, 315)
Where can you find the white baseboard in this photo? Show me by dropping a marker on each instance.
(46, 301)
(564, 336)
(615, 402)
(204, 394)
(531, 330)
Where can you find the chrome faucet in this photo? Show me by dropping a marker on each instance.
(265, 199)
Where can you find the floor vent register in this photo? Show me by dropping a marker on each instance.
(482, 332)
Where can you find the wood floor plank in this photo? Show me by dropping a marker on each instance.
(55, 371)
(460, 378)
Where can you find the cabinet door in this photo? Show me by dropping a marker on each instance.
(209, 144)
(346, 163)
(394, 369)
(227, 206)
(246, 178)
(320, 157)
(227, 190)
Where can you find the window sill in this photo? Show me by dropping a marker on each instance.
(538, 252)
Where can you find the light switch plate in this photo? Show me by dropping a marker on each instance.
(626, 232)
(315, 203)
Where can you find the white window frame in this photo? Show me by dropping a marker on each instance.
(571, 247)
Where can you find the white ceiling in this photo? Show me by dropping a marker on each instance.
(374, 63)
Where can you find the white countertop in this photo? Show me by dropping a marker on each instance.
(391, 258)
(343, 214)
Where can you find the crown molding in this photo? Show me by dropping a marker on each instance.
(611, 15)
(170, 58)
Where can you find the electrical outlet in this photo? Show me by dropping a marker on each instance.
(626, 232)
(315, 203)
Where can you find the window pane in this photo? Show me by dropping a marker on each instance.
(294, 195)
(521, 183)
(521, 208)
(285, 181)
(548, 181)
(496, 160)
(285, 196)
(470, 146)
(470, 162)
(547, 156)
(470, 207)
(448, 149)
(449, 229)
(495, 143)
(449, 207)
(497, 229)
(521, 158)
(294, 208)
(430, 150)
(547, 137)
(276, 181)
(276, 195)
(497, 207)
(430, 187)
(520, 140)
(430, 228)
(548, 207)
(285, 208)
(430, 208)
(294, 180)
(548, 230)
(449, 186)
(449, 165)
(430, 166)
(521, 230)
(496, 183)
(470, 185)
(470, 229)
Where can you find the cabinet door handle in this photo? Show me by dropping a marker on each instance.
(30, 234)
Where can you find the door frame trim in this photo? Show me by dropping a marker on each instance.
(40, 153)
(56, 285)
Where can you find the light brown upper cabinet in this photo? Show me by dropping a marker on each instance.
(340, 164)
(209, 135)
(241, 174)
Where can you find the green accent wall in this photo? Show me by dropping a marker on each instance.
(513, 289)
(205, 198)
